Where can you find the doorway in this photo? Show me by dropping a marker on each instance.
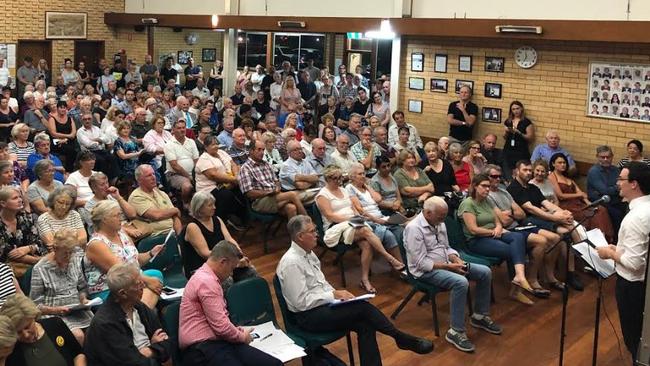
(89, 52)
(36, 49)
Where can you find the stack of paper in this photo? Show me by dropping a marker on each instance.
(337, 302)
(94, 302)
(275, 342)
(595, 237)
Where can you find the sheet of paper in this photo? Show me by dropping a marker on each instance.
(597, 238)
(604, 267)
(275, 342)
(337, 302)
(177, 295)
(94, 302)
(286, 353)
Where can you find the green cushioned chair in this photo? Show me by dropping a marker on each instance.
(303, 338)
(25, 281)
(268, 221)
(242, 310)
(168, 261)
(170, 315)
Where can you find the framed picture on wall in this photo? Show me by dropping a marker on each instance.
(494, 64)
(490, 114)
(440, 64)
(416, 83)
(417, 61)
(66, 25)
(209, 55)
(493, 90)
(439, 85)
(461, 83)
(465, 63)
(184, 56)
(415, 106)
(619, 91)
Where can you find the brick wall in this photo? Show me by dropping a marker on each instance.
(26, 20)
(167, 41)
(553, 92)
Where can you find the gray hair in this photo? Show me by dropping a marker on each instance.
(454, 148)
(140, 170)
(356, 115)
(5, 165)
(94, 180)
(121, 276)
(297, 224)
(286, 131)
(377, 129)
(199, 200)
(224, 249)
(357, 167)
(362, 129)
(434, 203)
(489, 167)
(603, 149)
(41, 137)
(60, 191)
(101, 210)
(41, 166)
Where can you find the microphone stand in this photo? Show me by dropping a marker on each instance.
(565, 292)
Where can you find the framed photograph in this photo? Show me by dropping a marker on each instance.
(66, 25)
(209, 55)
(184, 56)
(493, 90)
(416, 83)
(460, 83)
(494, 64)
(440, 64)
(415, 106)
(417, 61)
(490, 114)
(465, 63)
(439, 85)
(619, 91)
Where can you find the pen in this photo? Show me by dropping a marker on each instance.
(266, 336)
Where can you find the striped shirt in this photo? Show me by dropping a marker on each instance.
(22, 152)
(7, 287)
(46, 223)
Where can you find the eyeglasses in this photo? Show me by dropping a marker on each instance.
(622, 179)
(495, 176)
(336, 177)
(485, 185)
(474, 147)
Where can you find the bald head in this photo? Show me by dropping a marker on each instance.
(318, 148)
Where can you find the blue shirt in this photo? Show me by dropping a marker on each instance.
(543, 151)
(290, 168)
(225, 138)
(602, 181)
(34, 158)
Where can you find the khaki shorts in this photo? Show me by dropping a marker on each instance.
(266, 204)
(176, 181)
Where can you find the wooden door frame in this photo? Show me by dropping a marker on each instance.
(49, 52)
(102, 49)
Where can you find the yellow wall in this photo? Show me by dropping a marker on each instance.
(553, 92)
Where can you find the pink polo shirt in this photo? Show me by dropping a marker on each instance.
(203, 312)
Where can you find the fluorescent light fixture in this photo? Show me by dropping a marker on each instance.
(214, 20)
(531, 29)
(385, 31)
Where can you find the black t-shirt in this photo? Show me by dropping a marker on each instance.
(167, 74)
(119, 74)
(262, 108)
(530, 193)
(237, 99)
(462, 133)
(360, 107)
(443, 181)
(191, 84)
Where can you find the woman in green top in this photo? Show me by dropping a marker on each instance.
(486, 235)
(414, 185)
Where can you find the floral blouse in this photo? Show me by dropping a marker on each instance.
(127, 166)
(25, 234)
(125, 251)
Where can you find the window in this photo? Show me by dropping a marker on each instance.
(251, 49)
(297, 48)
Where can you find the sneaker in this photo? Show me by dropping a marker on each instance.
(460, 341)
(486, 323)
(414, 344)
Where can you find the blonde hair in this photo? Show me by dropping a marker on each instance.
(403, 155)
(101, 210)
(268, 136)
(122, 125)
(8, 335)
(65, 239)
(15, 130)
(19, 307)
(331, 170)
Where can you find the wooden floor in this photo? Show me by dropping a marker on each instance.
(531, 335)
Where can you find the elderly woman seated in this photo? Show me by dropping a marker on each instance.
(203, 233)
(271, 154)
(61, 216)
(49, 337)
(108, 246)
(58, 284)
(365, 201)
(102, 190)
(463, 170)
(20, 244)
(40, 189)
(385, 184)
(414, 185)
(85, 164)
(336, 207)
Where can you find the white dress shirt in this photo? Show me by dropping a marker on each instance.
(633, 240)
(87, 138)
(303, 283)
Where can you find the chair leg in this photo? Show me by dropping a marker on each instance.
(348, 339)
(342, 269)
(266, 237)
(434, 312)
(492, 298)
(470, 307)
(423, 299)
(403, 304)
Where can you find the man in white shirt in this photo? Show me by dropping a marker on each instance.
(342, 157)
(201, 91)
(393, 131)
(181, 155)
(297, 174)
(5, 78)
(631, 251)
(91, 138)
(308, 295)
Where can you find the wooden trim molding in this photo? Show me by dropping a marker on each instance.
(553, 30)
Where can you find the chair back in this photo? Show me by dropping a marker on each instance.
(289, 318)
(170, 320)
(249, 302)
(165, 259)
(316, 217)
(455, 233)
(25, 282)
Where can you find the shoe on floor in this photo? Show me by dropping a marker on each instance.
(574, 281)
(518, 296)
(460, 341)
(486, 323)
(415, 344)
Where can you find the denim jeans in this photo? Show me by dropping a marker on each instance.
(458, 286)
(510, 247)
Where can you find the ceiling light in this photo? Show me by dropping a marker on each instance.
(214, 20)
(385, 31)
(518, 29)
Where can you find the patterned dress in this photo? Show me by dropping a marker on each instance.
(124, 251)
(127, 166)
(25, 234)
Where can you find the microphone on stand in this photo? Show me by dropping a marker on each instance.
(603, 199)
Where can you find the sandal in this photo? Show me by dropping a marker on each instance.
(541, 293)
(557, 285)
(367, 288)
(401, 268)
(520, 285)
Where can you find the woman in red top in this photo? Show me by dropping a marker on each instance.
(462, 170)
